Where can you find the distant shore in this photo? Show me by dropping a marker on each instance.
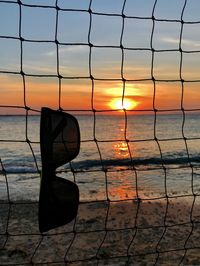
(109, 112)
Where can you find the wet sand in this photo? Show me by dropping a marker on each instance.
(115, 233)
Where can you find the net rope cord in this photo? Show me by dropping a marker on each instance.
(86, 241)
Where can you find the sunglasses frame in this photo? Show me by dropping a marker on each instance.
(59, 198)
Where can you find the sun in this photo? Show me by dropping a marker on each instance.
(126, 104)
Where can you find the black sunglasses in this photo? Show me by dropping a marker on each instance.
(60, 143)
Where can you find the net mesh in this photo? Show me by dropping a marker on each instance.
(156, 230)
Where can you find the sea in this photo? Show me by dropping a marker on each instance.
(121, 157)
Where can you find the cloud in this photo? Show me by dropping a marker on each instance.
(170, 40)
(38, 68)
(67, 49)
(189, 43)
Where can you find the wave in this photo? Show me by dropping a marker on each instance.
(86, 164)
(111, 163)
(19, 170)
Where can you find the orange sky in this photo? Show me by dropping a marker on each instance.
(77, 94)
(105, 61)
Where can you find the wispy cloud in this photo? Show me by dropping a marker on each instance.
(67, 49)
(130, 90)
(38, 68)
(189, 43)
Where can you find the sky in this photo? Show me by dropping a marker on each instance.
(40, 57)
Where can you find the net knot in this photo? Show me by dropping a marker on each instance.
(56, 41)
(57, 7)
(28, 141)
(27, 108)
(22, 73)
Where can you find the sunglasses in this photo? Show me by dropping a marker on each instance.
(59, 143)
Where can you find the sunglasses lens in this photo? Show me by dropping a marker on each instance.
(58, 203)
(60, 137)
(60, 143)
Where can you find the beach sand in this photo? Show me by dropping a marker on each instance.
(160, 231)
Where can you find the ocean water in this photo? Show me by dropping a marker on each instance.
(120, 157)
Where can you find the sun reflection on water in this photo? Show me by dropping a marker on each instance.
(121, 182)
(121, 185)
(121, 150)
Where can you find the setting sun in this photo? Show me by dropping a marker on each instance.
(127, 104)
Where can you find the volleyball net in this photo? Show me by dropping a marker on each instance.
(132, 66)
